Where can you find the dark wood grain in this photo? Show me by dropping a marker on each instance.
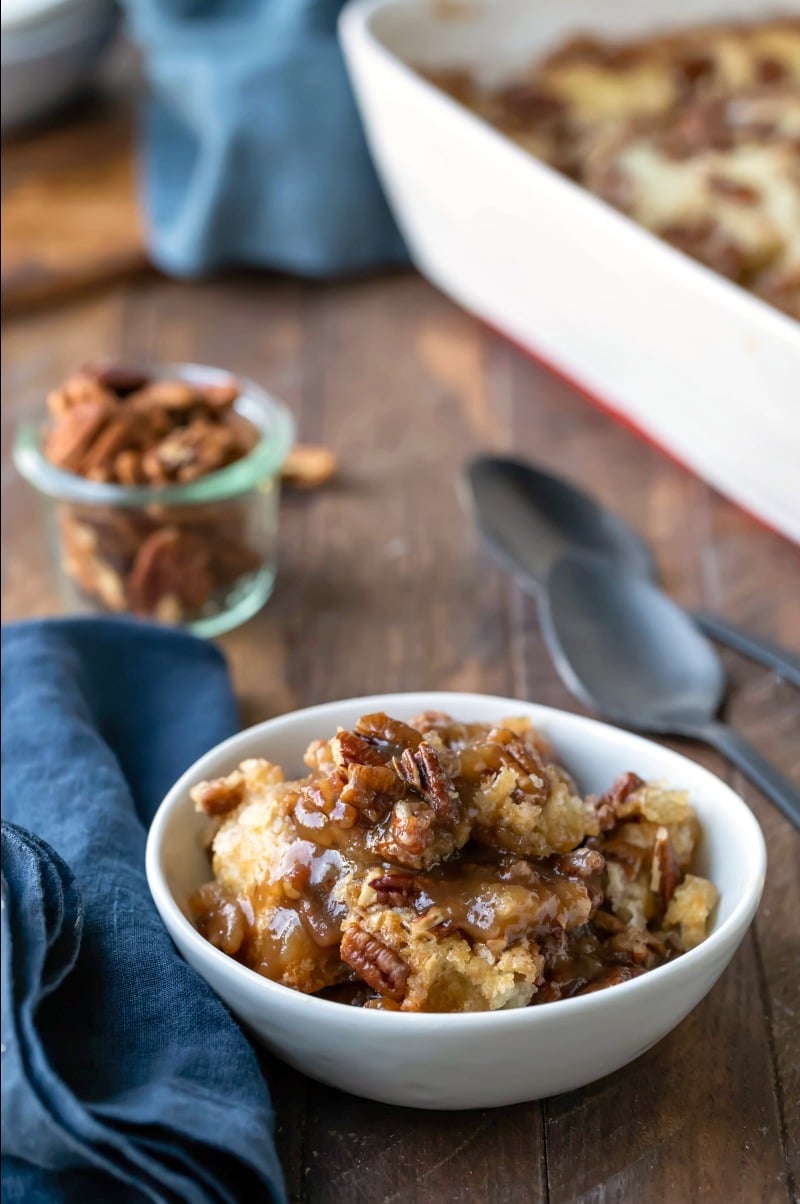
(70, 206)
(383, 586)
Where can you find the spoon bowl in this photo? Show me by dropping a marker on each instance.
(626, 650)
(529, 518)
(623, 647)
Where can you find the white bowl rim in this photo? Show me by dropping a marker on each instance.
(739, 919)
(33, 15)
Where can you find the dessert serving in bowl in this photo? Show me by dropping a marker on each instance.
(506, 922)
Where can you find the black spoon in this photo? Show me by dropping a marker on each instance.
(629, 652)
(530, 518)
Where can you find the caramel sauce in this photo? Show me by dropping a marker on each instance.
(502, 898)
(349, 821)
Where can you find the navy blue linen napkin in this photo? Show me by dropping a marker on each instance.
(253, 149)
(124, 1077)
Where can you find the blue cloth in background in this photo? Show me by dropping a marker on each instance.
(124, 1077)
(253, 149)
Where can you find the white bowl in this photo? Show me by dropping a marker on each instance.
(474, 1060)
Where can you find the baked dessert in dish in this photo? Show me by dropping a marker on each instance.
(448, 867)
(695, 135)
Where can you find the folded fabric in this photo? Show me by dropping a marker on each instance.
(253, 149)
(124, 1077)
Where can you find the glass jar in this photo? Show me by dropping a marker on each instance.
(201, 554)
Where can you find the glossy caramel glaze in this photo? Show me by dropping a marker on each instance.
(434, 865)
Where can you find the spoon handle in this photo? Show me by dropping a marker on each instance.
(765, 652)
(775, 786)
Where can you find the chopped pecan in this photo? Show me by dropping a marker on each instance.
(611, 804)
(406, 836)
(76, 391)
(350, 748)
(634, 946)
(611, 977)
(380, 967)
(391, 732)
(429, 720)
(581, 863)
(128, 468)
(706, 240)
(169, 562)
(693, 67)
(308, 467)
(220, 795)
(771, 70)
(606, 921)
(396, 890)
(623, 786)
(165, 395)
(424, 772)
(320, 802)
(372, 789)
(190, 452)
(736, 190)
(112, 439)
(374, 779)
(68, 441)
(525, 103)
(407, 768)
(666, 871)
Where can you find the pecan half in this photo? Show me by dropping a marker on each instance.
(525, 757)
(396, 890)
(624, 785)
(424, 772)
(165, 395)
(169, 562)
(308, 467)
(379, 966)
(114, 438)
(610, 805)
(666, 871)
(391, 732)
(350, 748)
(75, 391)
(69, 440)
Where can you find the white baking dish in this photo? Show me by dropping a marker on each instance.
(709, 372)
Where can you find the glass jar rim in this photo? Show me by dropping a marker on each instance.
(270, 416)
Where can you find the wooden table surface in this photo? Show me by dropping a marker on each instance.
(383, 586)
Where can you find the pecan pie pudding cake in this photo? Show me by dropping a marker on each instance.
(442, 866)
(694, 134)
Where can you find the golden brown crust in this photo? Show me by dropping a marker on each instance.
(693, 134)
